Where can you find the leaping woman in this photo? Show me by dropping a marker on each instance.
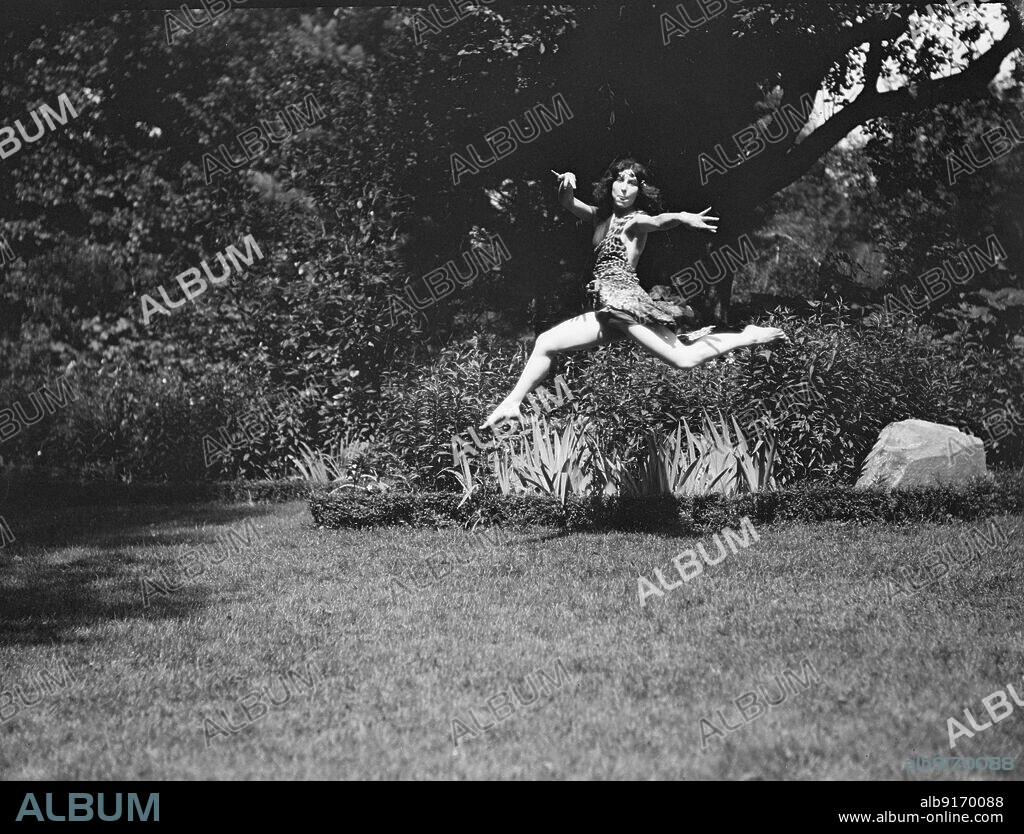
(627, 210)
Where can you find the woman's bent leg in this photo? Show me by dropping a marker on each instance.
(663, 343)
(577, 333)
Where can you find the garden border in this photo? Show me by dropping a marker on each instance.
(811, 501)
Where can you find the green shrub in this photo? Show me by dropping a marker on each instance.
(624, 393)
(985, 390)
(825, 395)
(835, 385)
(270, 428)
(424, 406)
(841, 380)
(129, 424)
(132, 424)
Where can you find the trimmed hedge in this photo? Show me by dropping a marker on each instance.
(810, 501)
(38, 492)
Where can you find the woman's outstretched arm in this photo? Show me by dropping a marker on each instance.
(703, 222)
(567, 197)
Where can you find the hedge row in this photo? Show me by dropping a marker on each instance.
(20, 491)
(809, 501)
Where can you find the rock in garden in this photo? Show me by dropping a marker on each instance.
(919, 453)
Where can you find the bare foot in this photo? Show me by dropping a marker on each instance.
(763, 335)
(505, 411)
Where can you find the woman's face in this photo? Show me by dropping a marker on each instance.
(625, 188)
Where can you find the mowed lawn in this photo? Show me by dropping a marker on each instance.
(107, 678)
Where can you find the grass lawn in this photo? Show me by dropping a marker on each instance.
(107, 671)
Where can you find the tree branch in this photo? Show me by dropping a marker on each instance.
(811, 77)
(970, 83)
(873, 67)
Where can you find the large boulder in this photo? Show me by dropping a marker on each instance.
(919, 453)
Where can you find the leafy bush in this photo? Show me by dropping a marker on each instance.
(133, 424)
(841, 380)
(621, 395)
(828, 393)
(424, 406)
(825, 395)
(625, 394)
(127, 424)
(985, 388)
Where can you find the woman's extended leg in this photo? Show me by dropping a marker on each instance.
(574, 334)
(663, 343)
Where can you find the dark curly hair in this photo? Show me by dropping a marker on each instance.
(648, 198)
